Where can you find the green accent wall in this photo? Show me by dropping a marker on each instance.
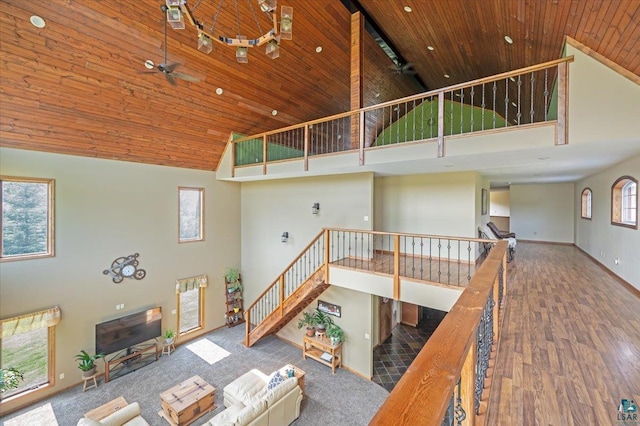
(422, 122)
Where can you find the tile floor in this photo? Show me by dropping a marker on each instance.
(392, 358)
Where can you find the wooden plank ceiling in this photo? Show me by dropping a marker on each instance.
(77, 86)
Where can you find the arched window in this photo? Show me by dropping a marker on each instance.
(624, 202)
(586, 203)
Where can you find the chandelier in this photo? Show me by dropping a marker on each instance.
(177, 10)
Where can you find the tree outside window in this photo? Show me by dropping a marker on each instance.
(27, 218)
(191, 214)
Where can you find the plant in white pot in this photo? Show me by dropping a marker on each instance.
(169, 336)
(87, 363)
(336, 333)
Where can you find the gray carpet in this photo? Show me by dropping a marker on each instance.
(340, 399)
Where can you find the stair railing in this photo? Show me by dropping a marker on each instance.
(310, 259)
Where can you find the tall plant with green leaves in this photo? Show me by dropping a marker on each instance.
(10, 378)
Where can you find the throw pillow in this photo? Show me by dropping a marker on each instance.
(275, 380)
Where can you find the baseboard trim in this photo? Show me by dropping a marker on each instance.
(545, 242)
(624, 283)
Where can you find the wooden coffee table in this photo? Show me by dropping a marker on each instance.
(107, 409)
(188, 401)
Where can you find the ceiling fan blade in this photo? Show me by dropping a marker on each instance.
(170, 67)
(170, 79)
(186, 77)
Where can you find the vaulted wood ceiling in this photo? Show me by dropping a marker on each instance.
(77, 86)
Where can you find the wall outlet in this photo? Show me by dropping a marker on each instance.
(61, 376)
(117, 307)
(366, 336)
(173, 312)
(617, 261)
(366, 218)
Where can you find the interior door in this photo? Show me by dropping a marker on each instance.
(385, 310)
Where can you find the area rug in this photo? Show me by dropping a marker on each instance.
(208, 351)
(42, 415)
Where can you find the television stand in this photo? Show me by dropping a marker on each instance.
(133, 358)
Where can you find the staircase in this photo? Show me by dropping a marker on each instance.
(299, 285)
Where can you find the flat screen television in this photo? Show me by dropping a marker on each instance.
(125, 332)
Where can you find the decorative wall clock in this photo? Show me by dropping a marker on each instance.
(125, 267)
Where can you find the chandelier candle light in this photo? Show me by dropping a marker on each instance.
(178, 9)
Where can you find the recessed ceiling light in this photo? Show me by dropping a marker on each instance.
(508, 39)
(458, 95)
(37, 21)
(512, 79)
(148, 64)
(407, 9)
(514, 104)
(446, 76)
(219, 91)
(274, 112)
(318, 49)
(430, 48)
(377, 95)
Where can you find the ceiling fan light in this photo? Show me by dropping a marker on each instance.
(286, 23)
(204, 43)
(268, 5)
(242, 54)
(272, 50)
(175, 18)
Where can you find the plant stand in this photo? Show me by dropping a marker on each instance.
(86, 382)
(235, 304)
(168, 347)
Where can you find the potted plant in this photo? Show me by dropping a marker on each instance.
(10, 378)
(232, 275)
(308, 320)
(336, 333)
(169, 335)
(88, 363)
(322, 320)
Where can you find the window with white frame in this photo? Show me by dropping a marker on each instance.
(191, 209)
(587, 194)
(624, 202)
(27, 218)
(26, 351)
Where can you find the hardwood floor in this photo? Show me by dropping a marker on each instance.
(570, 349)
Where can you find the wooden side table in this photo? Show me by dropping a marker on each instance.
(297, 372)
(86, 382)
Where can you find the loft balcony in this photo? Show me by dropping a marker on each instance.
(562, 110)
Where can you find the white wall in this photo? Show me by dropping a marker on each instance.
(105, 209)
(500, 202)
(543, 212)
(437, 204)
(598, 237)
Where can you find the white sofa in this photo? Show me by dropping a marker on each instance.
(249, 402)
(128, 415)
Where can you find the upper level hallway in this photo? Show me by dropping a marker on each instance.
(570, 344)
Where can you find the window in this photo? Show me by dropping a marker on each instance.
(190, 293)
(27, 218)
(624, 202)
(27, 345)
(191, 208)
(586, 203)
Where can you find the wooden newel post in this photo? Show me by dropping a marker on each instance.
(247, 316)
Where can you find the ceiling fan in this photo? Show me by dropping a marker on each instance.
(168, 69)
(400, 69)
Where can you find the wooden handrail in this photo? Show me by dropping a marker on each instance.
(404, 234)
(277, 280)
(423, 393)
(478, 81)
